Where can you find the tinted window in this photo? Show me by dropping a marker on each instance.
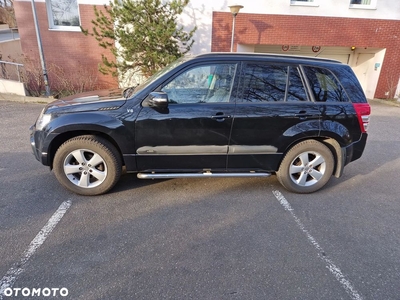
(350, 83)
(324, 85)
(269, 83)
(264, 83)
(202, 84)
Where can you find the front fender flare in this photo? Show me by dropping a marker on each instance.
(64, 127)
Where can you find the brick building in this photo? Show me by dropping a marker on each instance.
(64, 45)
(362, 33)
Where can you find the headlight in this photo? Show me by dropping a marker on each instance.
(43, 120)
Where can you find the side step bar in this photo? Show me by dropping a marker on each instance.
(199, 175)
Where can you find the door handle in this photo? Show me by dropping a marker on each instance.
(220, 116)
(302, 115)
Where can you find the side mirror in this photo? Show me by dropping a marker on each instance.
(158, 99)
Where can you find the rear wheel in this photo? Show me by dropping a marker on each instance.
(87, 165)
(306, 167)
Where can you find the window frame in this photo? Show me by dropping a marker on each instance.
(363, 6)
(304, 3)
(55, 27)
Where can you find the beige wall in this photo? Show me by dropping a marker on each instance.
(11, 49)
(12, 87)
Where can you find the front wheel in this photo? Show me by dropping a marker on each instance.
(87, 165)
(306, 167)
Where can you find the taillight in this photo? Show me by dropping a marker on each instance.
(363, 111)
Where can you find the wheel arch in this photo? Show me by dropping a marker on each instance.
(64, 136)
(338, 154)
(337, 151)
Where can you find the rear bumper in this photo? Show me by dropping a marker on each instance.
(355, 150)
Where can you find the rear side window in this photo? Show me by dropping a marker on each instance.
(271, 83)
(350, 83)
(324, 85)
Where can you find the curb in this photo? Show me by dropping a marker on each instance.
(387, 102)
(25, 99)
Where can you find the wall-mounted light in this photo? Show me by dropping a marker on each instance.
(234, 10)
(353, 48)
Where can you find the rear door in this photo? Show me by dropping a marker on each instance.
(272, 111)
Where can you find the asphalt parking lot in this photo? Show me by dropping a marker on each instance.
(225, 238)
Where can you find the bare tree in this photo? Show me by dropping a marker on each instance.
(7, 15)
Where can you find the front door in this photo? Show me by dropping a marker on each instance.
(192, 133)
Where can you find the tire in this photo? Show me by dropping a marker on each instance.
(87, 165)
(306, 167)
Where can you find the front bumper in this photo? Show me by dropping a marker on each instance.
(36, 140)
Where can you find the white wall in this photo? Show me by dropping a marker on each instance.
(384, 9)
(12, 87)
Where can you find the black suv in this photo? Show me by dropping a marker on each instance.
(213, 115)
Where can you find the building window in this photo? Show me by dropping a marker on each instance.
(364, 4)
(304, 2)
(63, 14)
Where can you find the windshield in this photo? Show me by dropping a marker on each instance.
(161, 73)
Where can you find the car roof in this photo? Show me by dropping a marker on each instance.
(254, 56)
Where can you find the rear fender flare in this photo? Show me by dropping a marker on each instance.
(337, 131)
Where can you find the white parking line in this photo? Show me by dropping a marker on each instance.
(18, 268)
(335, 271)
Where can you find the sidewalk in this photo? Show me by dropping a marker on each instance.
(24, 99)
(388, 102)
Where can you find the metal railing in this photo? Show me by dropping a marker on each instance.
(14, 33)
(9, 34)
(10, 70)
